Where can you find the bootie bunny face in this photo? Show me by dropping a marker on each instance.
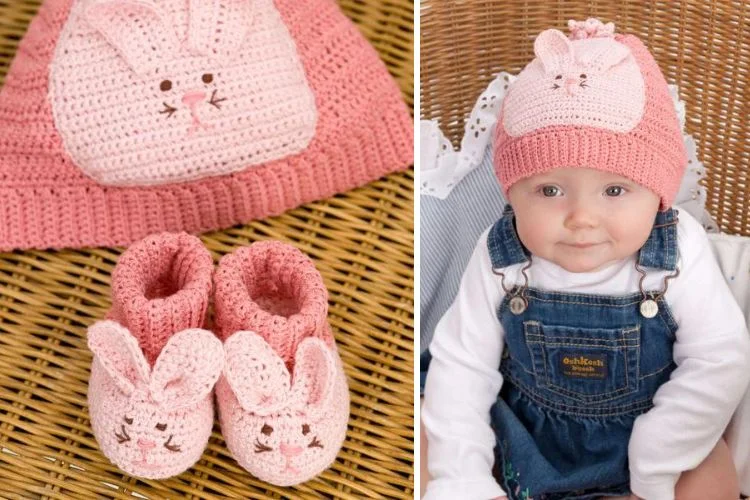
(152, 423)
(172, 80)
(284, 429)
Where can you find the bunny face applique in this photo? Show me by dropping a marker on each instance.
(591, 81)
(152, 423)
(284, 428)
(146, 93)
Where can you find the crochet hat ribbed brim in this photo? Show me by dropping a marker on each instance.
(594, 100)
(205, 116)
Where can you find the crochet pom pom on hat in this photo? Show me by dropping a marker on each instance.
(595, 99)
(123, 118)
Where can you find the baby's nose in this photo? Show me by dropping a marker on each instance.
(289, 450)
(145, 444)
(193, 98)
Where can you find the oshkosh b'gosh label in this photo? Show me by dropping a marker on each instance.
(580, 365)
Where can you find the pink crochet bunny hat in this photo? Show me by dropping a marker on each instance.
(283, 398)
(123, 118)
(595, 100)
(154, 369)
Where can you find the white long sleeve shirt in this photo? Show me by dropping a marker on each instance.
(690, 412)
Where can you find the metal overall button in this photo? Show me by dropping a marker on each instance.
(518, 305)
(649, 308)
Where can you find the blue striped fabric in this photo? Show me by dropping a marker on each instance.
(449, 230)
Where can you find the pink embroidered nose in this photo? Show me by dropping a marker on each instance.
(145, 445)
(571, 86)
(290, 451)
(193, 98)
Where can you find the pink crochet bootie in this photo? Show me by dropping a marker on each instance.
(283, 398)
(154, 369)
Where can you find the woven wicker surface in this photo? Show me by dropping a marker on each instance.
(362, 243)
(702, 46)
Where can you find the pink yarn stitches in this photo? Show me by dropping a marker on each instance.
(364, 131)
(160, 286)
(599, 129)
(151, 409)
(283, 399)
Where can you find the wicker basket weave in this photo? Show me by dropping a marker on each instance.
(362, 242)
(702, 46)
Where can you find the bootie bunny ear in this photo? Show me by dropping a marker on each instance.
(217, 28)
(187, 369)
(314, 377)
(257, 375)
(119, 353)
(262, 384)
(137, 30)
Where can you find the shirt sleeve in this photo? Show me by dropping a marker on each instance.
(462, 384)
(711, 351)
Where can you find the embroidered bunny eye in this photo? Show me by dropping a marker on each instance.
(315, 444)
(558, 77)
(260, 447)
(305, 429)
(266, 430)
(171, 447)
(208, 78)
(161, 427)
(128, 421)
(124, 437)
(583, 75)
(166, 86)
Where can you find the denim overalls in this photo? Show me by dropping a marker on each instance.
(578, 369)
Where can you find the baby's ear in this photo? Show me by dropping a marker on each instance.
(119, 353)
(554, 49)
(257, 375)
(136, 30)
(217, 28)
(314, 376)
(187, 369)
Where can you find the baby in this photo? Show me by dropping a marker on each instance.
(594, 349)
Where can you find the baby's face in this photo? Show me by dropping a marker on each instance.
(582, 219)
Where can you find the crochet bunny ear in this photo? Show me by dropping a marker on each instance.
(600, 54)
(257, 375)
(136, 29)
(554, 49)
(119, 353)
(187, 369)
(314, 376)
(217, 28)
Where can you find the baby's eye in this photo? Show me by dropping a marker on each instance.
(550, 191)
(208, 78)
(615, 191)
(166, 86)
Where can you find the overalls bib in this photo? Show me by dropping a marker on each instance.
(578, 369)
